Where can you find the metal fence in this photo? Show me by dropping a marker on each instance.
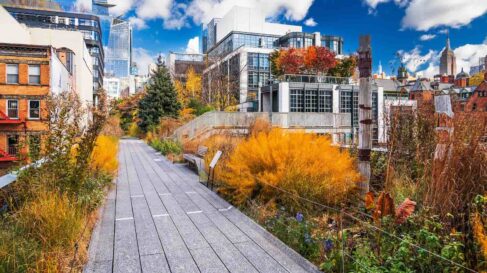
(323, 122)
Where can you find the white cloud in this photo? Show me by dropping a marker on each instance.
(202, 11)
(137, 23)
(143, 58)
(151, 9)
(193, 45)
(413, 59)
(427, 14)
(178, 18)
(310, 22)
(83, 5)
(427, 37)
(121, 6)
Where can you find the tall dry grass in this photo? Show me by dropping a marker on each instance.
(104, 155)
(303, 164)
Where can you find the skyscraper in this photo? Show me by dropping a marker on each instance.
(448, 61)
(119, 52)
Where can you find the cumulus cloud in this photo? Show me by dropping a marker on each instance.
(193, 45)
(310, 22)
(414, 59)
(143, 59)
(427, 14)
(137, 23)
(83, 5)
(121, 6)
(150, 9)
(427, 37)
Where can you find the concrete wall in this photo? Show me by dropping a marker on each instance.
(61, 80)
(73, 40)
(11, 31)
(250, 20)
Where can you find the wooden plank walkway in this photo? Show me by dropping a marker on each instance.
(159, 218)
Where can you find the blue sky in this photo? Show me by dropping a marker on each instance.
(415, 28)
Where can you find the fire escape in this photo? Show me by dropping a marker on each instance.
(12, 153)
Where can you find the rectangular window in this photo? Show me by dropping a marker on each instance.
(13, 108)
(34, 109)
(12, 144)
(12, 73)
(325, 101)
(311, 101)
(297, 100)
(34, 74)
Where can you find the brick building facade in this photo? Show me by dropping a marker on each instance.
(25, 83)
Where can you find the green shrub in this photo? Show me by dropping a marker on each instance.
(167, 146)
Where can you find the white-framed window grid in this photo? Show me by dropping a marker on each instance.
(13, 109)
(34, 74)
(12, 73)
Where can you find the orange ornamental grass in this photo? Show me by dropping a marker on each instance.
(104, 156)
(303, 164)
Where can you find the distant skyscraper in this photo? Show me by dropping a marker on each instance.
(119, 52)
(448, 61)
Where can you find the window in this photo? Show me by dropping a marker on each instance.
(325, 101)
(12, 73)
(13, 108)
(34, 74)
(311, 101)
(297, 100)
(474, 107)
(12, 144)
(34, 109)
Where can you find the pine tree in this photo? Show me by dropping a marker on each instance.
(160, 101)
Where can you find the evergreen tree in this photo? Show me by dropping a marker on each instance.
(161, 99)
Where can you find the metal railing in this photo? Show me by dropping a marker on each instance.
(316, 79)
(12, 176)
(243, 120)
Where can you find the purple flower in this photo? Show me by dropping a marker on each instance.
(299, 217)
(328, 245)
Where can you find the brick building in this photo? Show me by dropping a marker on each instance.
(478, 101)
(28, 74)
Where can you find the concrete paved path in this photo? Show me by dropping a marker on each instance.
(159, 218)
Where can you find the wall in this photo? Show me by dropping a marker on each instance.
(83, 63)
(250, 20)
(11, 31)
(61, 79)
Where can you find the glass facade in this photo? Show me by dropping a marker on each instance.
(235, 40)
(346, 104)
(296, 40)
(334, 43)
(258, 66)
(317, 101)
(119, 52)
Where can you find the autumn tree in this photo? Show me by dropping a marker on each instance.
(222, 82)
(159, 101)
(191, 89)
(312, 60)
(344, 67)
(477, 79)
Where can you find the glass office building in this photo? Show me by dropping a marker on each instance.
(119, 51)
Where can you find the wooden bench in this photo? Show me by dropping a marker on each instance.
(195, 161)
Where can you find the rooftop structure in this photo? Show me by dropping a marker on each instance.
(448, 61)
(87, 24)
(180, 63)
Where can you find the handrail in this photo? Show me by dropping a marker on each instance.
(12, 176)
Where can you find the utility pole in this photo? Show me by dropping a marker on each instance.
(365, 112)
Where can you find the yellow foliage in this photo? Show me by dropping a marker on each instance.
(300, 163)
(186, 114)
(480, 234)
(477, 79)
(104, 156)
(133, 130)
(191, 89)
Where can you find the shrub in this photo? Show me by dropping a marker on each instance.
(167, 146)
(104, 156)
(303, 164)
(133, 130)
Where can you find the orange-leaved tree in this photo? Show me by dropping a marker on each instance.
(302, 164)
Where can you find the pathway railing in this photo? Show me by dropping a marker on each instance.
(243, 120)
